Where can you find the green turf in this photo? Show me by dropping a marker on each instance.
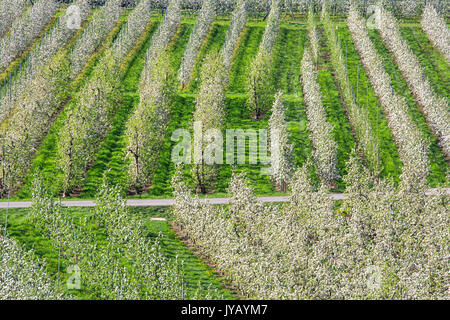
(438, 165)
(288, 53)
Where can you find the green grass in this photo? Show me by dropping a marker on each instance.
(45, 159)
(196, 271)
(389, 157)
(110, 156)
(433, 63)
(336, 114)
(438, 165)
(246, 52)
(180, 119)
(214, 43)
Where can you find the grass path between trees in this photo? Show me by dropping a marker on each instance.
(389, 157)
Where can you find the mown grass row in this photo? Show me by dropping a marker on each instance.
(438, 165)
(434, 64)
(388, 154)
(245, 54)
(288, 52)
(196, 271)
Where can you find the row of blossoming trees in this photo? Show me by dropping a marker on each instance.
(435, 108)
(325, 147)
(382, 243)
(24, 30)
(146, 128)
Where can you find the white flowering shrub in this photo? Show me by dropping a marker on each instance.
(210, 113)
(313, 36)
(103, 21)
(436, 28)
(25, 30)
(412, 148)
(198, 36)
(161, 39)
(325, 147)
(237, 24)
(435, 108)
(272, 28)
(358, 117)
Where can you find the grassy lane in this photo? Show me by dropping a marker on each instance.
(438, 165)
(389, 158)
(288, 53)
(110, 157)
(215, 41)
(46, 155)
(237, 116)
(336, 114)
(198, 275)
(246, 52)
(433, 63)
